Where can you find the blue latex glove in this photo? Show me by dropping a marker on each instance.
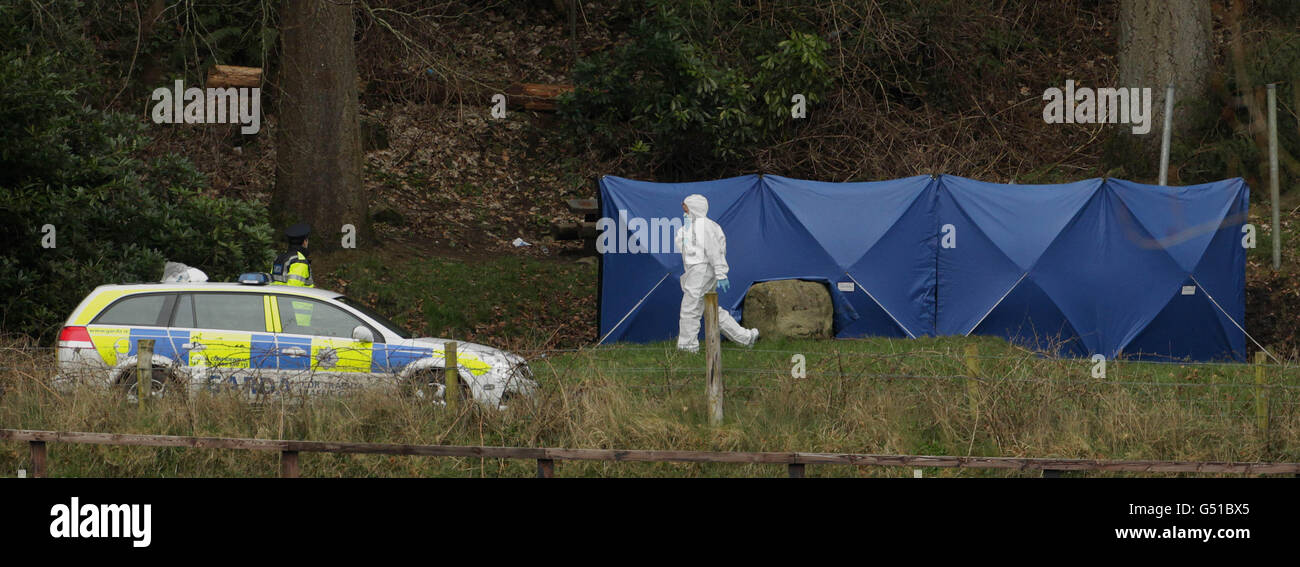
(724, 285)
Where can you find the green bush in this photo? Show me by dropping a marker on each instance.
(117, 215)
(686, 107)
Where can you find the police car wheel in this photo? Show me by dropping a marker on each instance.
(434, 382)
(163, 384)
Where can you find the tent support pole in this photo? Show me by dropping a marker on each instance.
(1274, 190)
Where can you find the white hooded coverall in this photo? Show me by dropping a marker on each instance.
(704, 255)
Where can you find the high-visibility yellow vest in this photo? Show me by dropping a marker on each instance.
(292, 268)
(302, 313)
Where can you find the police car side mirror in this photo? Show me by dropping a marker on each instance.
(362, 334)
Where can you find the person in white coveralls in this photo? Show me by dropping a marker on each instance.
(704, 255)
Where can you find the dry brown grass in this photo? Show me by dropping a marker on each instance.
(855, 399)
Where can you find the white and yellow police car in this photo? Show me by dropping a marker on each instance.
(265, 341)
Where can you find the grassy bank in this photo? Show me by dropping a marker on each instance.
(508, 301)
(867, 396)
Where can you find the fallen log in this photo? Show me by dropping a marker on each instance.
(227, 76)
(535, 96)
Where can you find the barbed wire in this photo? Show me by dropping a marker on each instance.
(1245, 413)
(949, 355)
(993, 379)
(811, 373)
(255, 365)
(1242, 413)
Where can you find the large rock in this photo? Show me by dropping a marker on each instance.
(789, 308)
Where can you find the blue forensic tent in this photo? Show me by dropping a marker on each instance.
(1094, 267)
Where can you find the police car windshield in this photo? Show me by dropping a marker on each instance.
(394, 327)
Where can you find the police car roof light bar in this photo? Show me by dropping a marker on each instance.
(254, 278)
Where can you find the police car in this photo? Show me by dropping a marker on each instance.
(267, 340)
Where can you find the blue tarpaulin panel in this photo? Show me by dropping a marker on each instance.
(1098, 266)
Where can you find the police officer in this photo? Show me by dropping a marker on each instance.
(294, 269)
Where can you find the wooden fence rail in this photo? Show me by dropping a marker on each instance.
(795, 462)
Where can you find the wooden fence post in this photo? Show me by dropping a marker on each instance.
(713, 358)
(796, 470)
(451, 377)
(972, 383)
(143, 371)
(1261, 395)
(288, 464)
(545, 468)
(38, 458)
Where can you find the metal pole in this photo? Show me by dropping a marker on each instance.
(1274, 190)
(1164, 140)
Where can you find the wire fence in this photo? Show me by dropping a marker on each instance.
(995, 396)
(759, 370)
(1228, 398)
(35, 358)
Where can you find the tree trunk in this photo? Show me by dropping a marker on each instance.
(318, 136)
(1163, 42)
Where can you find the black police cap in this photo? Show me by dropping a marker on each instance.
(298, 231)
